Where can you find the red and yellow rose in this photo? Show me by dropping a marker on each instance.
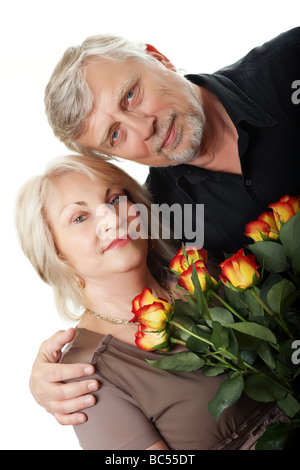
(150, 339)
(179, 263)
(151, 311)
(268, 224)
(153, 314)
(285, 209)
(185, 278)
(240, 271)
(264, 227)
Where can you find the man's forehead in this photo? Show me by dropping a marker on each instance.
(102, 65)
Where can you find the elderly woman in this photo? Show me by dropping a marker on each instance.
(96, 267)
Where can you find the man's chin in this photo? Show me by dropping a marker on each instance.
(182, 158)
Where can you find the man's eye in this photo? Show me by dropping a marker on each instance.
(114, 135)
(130, 95)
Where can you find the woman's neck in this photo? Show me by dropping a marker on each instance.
(114, 297)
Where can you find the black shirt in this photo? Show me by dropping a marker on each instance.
(257, 93)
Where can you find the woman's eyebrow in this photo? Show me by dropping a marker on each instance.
(78, 203)
(83, 203)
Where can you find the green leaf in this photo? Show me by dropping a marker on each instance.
(274, 438)
(186, 322)
(280, 296)
(186, 361)
(271, 280)
(296, 260)
(253, 329)
(195, 344)
(289, 405)
(219, 335)
(212, 371)
(200, 296)
(233, 346)
(290, 235)
(228, 393)
(248, 355)
(282, 369)
(237, 301)
(256, 309)
(262, 390)
(221, 315)
(247, 342)
(270, 255)
(184, 308)
(265, 353)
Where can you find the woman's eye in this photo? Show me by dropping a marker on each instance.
(114, 201)
(79, 219)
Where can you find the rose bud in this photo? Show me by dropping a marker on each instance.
(179, 262)
(263, 228)
(149, 339)
(150, 309)
(285, 209)
(240, 271)
(153, 316)
(185, 278)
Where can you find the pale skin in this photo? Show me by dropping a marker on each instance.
(101, 263)
(134, 121)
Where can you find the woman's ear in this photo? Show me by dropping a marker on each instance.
(159, 56)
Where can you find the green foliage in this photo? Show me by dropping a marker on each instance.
(248, 335)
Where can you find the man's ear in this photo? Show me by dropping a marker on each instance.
(159, 56)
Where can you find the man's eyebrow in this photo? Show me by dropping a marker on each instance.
(125, 87)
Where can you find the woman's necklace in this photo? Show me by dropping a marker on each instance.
(117, 321)
(120, 321)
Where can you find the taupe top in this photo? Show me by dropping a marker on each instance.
(138, 404)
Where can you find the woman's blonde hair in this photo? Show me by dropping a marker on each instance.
(35, 235)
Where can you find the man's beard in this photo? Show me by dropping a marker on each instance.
(191, 133)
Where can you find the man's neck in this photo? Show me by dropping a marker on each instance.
(219, 148)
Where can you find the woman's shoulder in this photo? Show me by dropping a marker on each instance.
(83, 347)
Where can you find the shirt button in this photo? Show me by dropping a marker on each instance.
(248, 182)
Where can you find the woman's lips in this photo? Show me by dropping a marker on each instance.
(118, 243)
(170, 135)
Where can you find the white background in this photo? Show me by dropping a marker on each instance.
(199, 36)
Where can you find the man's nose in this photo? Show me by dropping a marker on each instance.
(142, 124)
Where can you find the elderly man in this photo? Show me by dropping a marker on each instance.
(228, 140)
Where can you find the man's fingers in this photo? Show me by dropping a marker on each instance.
(52, 388)
(71, 406)
(64, 372)
(72, 419)
(71, 390)
(51, 348)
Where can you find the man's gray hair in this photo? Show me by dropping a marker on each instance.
(68, 99)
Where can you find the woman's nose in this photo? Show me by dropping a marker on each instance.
(107, 221)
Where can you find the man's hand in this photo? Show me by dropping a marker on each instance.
(62, 400)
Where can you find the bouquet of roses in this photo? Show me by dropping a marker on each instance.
(251, 332)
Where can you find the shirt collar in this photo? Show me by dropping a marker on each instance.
(238, 105)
